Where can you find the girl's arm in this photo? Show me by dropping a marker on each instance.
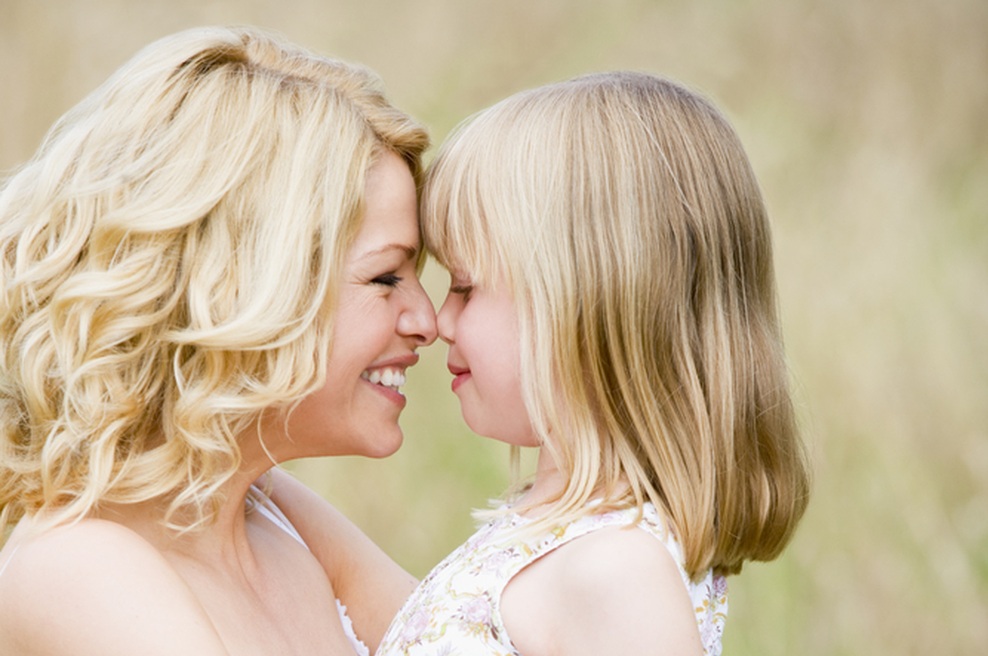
(371, 585)
(96, 588)
(614, 591)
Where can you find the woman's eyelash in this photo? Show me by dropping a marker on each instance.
(388, 280)
(461, 289)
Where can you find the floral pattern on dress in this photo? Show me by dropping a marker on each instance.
(456, 608)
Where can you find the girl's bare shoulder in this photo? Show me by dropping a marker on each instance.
(616, 590)
(97, 587)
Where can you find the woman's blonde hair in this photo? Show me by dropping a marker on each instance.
(622, 212)
(169, 261)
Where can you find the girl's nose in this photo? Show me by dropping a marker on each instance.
(446, 319)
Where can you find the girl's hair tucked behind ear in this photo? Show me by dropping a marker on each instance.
(168, 264)
(623, 213)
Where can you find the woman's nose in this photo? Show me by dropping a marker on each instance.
(418, 320)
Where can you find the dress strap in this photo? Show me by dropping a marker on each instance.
(650, 521)
(262, 503)
(267, 508)
(13, 552)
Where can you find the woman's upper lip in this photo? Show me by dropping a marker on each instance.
(402, 361)
(455, 369)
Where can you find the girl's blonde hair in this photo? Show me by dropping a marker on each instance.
(169, 261)
(622, 212)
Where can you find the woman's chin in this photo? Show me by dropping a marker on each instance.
(381, 446)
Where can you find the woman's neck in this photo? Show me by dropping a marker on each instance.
(224, 536)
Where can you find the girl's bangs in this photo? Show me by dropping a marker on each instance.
(455, 217)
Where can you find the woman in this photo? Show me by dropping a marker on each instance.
(208, 268)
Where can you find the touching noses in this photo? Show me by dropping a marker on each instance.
(418, 319)
(446, 319)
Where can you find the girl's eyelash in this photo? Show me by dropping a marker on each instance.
(461, 289)
(388, 280)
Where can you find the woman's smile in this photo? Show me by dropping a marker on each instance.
(388, 377)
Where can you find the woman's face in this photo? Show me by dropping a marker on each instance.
(382, 316)
(480, 324)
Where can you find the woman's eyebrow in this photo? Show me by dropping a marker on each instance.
(411, 252)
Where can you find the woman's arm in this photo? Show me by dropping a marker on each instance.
(96, 588)
(371, 585)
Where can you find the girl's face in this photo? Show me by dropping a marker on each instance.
(480, 324)
(382, 316)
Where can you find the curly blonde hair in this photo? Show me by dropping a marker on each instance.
(169, 261)
(622, 212)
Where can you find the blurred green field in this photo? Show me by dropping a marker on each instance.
(867, 123)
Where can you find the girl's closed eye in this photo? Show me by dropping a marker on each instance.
(461, 289)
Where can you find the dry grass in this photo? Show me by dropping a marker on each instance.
(866, 123)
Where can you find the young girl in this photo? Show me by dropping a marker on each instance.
(612, 303)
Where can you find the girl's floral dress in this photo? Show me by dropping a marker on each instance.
(456, 608)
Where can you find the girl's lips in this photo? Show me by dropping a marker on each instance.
(460, 375)
(459, 379)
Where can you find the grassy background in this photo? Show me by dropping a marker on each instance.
(866, 123)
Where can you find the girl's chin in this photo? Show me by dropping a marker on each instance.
(527, 440)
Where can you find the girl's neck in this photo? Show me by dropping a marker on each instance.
(548, 483)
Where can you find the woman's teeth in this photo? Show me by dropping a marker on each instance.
(393, 378)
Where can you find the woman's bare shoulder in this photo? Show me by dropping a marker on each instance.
(96, 587)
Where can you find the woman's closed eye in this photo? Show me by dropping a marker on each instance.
(388, 280)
